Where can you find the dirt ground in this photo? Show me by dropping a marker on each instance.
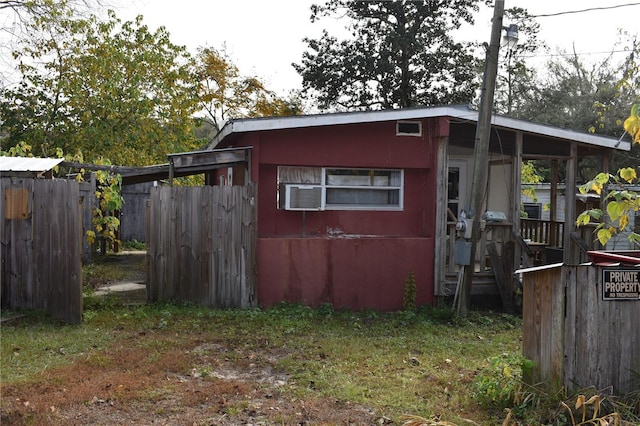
(127, 390)
(229, 386)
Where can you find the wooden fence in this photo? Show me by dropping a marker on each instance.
(575, 336)
(201, 245)
(132, 215)
(41, 247)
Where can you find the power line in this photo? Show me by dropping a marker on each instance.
(576, 54)
(585, 10)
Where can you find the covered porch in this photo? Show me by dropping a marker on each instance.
(509, 239)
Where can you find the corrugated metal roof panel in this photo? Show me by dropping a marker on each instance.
(625, 258)
(28, 164)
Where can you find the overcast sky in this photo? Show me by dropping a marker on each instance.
(264, 37)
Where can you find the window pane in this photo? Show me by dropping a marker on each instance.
(306, 175)
(363, 197)
(362, 177)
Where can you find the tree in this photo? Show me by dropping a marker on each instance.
(107, 88)
(401, 55)
(227, 94)
(582, 96)
(17, 16)
(587, 97)
(621, 202)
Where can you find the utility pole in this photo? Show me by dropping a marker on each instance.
(481, 152)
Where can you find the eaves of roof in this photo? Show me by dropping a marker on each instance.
(463, 113)
(28, 164)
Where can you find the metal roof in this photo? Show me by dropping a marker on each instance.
(28, 164)
(608, 257)
(463, 113)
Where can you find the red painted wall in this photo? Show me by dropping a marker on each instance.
(300, 260)
(355, 273)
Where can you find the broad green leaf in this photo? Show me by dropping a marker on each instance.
(615, 209)
(583, 219)
(595, 213)
(628, 174)
(603, 236)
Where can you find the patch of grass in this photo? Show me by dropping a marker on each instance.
(34, 343)
(100, 273)
(133, 245)
(423, 364)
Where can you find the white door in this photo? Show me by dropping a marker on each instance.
(457, 188)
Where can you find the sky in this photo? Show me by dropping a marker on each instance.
(263, 37)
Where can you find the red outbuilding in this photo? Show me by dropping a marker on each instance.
(350, 205)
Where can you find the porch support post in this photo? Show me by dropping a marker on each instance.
(442, 177)
(605, 157)
(571, 251)
(516, 185)
(553, 213)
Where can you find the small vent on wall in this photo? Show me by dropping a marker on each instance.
(409, 128)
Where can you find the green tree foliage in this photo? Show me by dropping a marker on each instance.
(621, 202)
(15, 25)
(109, 195)
(632, 123)
(529, 176)
(587, 97)
(401, 54)
(227, 94)
(106, 88)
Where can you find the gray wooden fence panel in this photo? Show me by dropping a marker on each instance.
(202, 245)
(41, 256)
(606, 336)
(88, 203)
(542, 321)
(599, 338)
(132, 214)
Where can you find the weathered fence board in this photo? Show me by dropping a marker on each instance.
(88, 202)
(41, 249)
(575, 338)
(132, 218)
(202, 245)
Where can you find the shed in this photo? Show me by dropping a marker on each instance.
(28, 166)
(350, 204)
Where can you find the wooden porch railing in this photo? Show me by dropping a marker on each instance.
(497, 233)
(551, 233)
(544, 240)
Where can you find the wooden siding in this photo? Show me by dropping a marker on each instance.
(575, 338)
(41, 247)
(201, 247)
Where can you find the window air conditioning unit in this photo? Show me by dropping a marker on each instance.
(303, 197)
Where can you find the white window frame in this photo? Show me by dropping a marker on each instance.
(397, 186)
(408, 122)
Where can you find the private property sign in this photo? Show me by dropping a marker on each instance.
(621, 284)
